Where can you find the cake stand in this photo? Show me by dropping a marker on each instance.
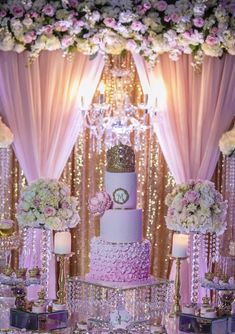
(143, 302)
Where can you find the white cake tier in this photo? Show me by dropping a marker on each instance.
(122, 188)
(121, 225)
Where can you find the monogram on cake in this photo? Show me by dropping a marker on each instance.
(120, 254)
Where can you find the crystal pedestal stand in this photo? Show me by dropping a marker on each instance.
(143, 301)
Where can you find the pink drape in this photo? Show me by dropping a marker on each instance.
(39, 102)
(200, 107)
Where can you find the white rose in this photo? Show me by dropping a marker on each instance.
(212, 50)
(19, 48)
(52, 43)
(7, 43)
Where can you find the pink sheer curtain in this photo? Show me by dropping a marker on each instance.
(39, 102)
(200, 107)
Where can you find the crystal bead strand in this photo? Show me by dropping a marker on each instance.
(196, 245)
(45, 257)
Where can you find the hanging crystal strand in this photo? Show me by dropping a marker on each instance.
(45, 257)
(206, 249)
(34, 249)
(25, 246)
(196, 245)
(214, 248)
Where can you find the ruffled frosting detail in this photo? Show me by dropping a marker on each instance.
(119, 262)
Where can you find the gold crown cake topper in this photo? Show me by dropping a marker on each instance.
(121, 159)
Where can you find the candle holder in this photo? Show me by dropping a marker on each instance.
(176, 307)
(61, 294)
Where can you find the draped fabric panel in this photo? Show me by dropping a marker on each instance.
(39, 102)
(199, 108)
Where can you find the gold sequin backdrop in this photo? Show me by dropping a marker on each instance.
(84, 173)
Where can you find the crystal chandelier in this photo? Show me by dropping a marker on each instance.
(121, 122)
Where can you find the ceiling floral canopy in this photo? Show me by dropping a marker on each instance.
(146, 27)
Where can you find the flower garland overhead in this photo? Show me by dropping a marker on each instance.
(227, 142)
(196, 206)
(148, 27)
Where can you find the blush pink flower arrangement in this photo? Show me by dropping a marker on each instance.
(100, 203)
(196, 206)
(47, 203)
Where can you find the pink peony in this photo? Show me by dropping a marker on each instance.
(212, 40)
(17, 10)
(100, 203)
(161, 6)
(198, 22)
(49, 211)
(49, 10)
(110, 22)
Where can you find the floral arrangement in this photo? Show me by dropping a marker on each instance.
(47, 203)
(100, 203)
(196, 207)
(227, 142)
(6, 136)
(148, 27)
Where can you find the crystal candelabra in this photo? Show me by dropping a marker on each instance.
(121, 123)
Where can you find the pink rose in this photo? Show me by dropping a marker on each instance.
(47, 30)
(49, 211)
(34, 15)
(191, 196)
(30, 36)
(161, 6)
(62, 26)
(110, 22)
(3, 13)
(136, 26)
(36, 202)
(175, 17)
(49, 10)
(131, 45)
(65, 205)
(66, 41)
(100, 203)
(73, 3)
(167, 18)
(198, 22)
(17, 10)
(212, 40)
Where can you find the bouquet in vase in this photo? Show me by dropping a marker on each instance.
(47, 203)
(197, 207)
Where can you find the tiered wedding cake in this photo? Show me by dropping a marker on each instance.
(120, 254)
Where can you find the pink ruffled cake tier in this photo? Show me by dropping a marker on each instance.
(119, 262)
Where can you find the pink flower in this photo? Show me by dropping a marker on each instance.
(136, 26)
(161, 6)
(30, 36)
(212, 40)
(110, 22)
(100, 203)
(167, 18)
(47, 30)
(49, 211)
(73, 3)
(36, 202)
(17, 10)
(191, 196)
(65, 205)
(131, 45)
(62, 26)
(3, 13)
(147, 5)
(198, 22)
(49, 10)
(175, 17)
(66, 41)
(34, 15)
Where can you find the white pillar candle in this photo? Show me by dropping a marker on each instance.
(180, 245)
(62, 243)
